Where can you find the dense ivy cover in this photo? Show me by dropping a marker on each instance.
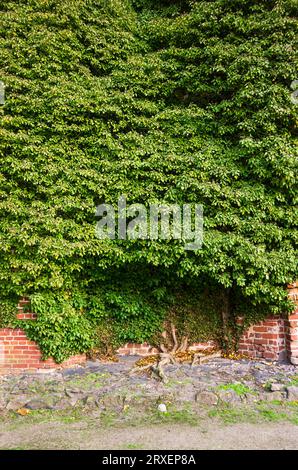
(168, 101)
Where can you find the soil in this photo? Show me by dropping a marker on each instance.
(78, 436)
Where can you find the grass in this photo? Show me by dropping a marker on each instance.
(294, 381)
(108, 418)
(231, 415)
(272, 415)
(133, 446)
(238, 388)
(14, 420)
(184, 416)
(262, 412)
(286, 410)
(267, 386)
(294, 420)
(187, 414)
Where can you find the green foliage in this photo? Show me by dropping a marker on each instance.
(8, 312)
(239, 388)
(184, 101)
(194, 310)
(60, 329)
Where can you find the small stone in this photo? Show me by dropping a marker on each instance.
(276, 387)
(206, 398)
(274, 396)
(230, 396)
(111, 401)
(36, 404)
(294, 360)
(64, 404)
(251, 398)
(72, 392)
(162, 408)
(15, 403)
(292, 393)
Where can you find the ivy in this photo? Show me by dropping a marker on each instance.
(171, 102)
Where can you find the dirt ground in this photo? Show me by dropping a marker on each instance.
(206, 435)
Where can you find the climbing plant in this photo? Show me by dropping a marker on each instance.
(169, 102)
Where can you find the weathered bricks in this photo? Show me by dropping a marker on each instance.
(273, 339)
(266, 339)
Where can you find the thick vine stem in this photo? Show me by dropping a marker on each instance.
(184, 344)
(174, 337)
(170, 355)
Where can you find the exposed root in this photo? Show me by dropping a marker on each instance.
(184, 344)
(177, 353)
(174, 337)
(142, 368)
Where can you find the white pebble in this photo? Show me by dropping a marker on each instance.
(162, 408)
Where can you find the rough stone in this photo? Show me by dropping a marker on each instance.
(74, 371)
(37, 404)
(272, 396)
(111, 401)
(3, 403)
(71, 392)
(15, 403)
(276, 387)
(230, 396)
(206, 398)
(292, 393)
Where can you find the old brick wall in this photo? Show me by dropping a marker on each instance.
(292, 326)
(18, 353)
(272, 339)
(266, 339)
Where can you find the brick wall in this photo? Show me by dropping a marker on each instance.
(292, 326)
(273, 339)
(267, 340)
(18, 353)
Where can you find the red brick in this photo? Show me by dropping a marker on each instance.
(269, 335)
(260, 329)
